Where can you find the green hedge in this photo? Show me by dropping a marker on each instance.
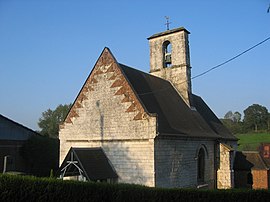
(25, 188)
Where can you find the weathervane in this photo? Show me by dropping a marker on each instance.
(167, 22)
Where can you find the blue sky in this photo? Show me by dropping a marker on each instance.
(48, 48)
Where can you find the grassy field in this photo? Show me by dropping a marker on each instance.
(251, 141)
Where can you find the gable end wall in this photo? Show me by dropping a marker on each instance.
(108, 114)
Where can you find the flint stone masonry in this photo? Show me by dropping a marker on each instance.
(176, 162)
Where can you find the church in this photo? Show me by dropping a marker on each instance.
(128, 126)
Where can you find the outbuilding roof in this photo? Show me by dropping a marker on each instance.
(247, 160)
(93, 163)
(11, 130)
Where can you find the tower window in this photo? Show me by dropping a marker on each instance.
(167, 50)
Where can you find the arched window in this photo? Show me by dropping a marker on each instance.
(167, 52)
(201, 165)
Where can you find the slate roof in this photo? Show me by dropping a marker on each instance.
(11, 130)
(93, 162)
(175, 117)
(247, 160)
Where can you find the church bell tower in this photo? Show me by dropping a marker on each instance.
(170, 60)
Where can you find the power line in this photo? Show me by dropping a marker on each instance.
(215, 67)
(231, 59)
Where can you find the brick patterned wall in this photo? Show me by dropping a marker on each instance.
(176, 162)
(260, 179)
(108, 114)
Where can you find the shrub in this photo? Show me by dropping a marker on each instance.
(41, 155)
(25, 188)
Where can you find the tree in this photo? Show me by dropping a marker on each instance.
(256, 117)
(235, 117)
(233, 122)
(50, 120)
(41, 154)
(229, 115)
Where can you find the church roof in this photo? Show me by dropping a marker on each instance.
(92, 161)
(174, 116)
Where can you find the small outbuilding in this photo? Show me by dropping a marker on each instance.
(87, 164)
(251, 170)
(12, 138)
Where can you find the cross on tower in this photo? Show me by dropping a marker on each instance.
(167, 22)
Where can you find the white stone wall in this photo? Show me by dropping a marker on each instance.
(108, 114)
(179, 73)
(132, 160)
(176, 162)
(180, 50)
(225, 173)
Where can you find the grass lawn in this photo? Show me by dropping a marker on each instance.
(251, 141)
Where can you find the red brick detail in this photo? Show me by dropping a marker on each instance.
(111, 68)
(132, 108)
(139, 116)
(98, 71)
(120, 91)
(113, 77)
(126, 99)
(73, 113)
(127, 91)
(90, 88)
(105, 59)
(93, 80)
(68, 120)
(78, 105)
(82, 97)
(117, 83)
